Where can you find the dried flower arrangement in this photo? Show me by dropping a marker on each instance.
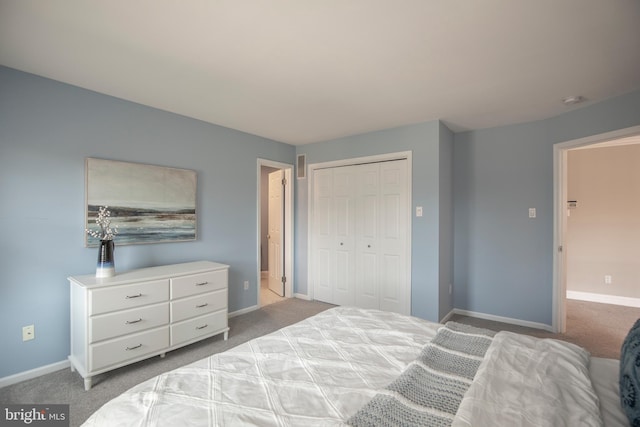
(104, 222)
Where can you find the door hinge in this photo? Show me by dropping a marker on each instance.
(560, 248)
(284, 181)
(284, 279)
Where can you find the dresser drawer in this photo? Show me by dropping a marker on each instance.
(194, 284)
(198, 305)
(194, 328)
(125, 322)
(129, 347)
(122, 297)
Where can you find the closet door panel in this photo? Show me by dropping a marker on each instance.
(391, 292)
(344, 293)
(344, 212)
(323, 283)
(323, 237)
(367, 280)
(393, 235)
(367, 231)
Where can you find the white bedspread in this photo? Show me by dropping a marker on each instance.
(525, 381)
(321, 371)
(317, 372)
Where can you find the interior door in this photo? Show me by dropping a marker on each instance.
(381, 236)
(344, 212)
(334, 221)
(368, 249)
(393, 231)
(323, 220)
(275, 235)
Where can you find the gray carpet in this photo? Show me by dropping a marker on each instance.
(600, 328)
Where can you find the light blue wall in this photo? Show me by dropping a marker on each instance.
(423, 140)
(47, 129)
(503, 259)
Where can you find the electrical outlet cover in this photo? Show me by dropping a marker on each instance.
(28, 333)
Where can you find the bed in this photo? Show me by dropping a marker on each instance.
(350, 366)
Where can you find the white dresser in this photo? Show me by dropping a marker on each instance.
(143, 313)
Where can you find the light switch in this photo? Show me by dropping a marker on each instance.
(532, 212)
(418, 210)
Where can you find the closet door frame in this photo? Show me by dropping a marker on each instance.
(403, 155)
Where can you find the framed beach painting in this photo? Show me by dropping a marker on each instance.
(148, 204)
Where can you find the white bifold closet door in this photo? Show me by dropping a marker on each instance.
(359, 242)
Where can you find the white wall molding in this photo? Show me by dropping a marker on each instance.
(508, 320)
(448, 317)
(34, 373)
(302, 296)
(604, 299)
(243, 311)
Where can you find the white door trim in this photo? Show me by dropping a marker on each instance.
(354, 161)
(288, 225)
(559, 315)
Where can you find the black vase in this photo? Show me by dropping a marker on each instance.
(106, 265)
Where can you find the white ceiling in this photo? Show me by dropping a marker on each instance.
(301, 71)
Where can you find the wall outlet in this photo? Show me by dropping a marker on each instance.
(28, 333)
(246, 285)
(607, 279)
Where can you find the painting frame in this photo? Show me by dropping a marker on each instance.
(148, 203)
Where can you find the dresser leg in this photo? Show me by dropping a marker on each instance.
(226, 335)
(87, 383)
(162, 355)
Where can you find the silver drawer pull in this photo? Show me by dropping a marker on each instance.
(133, 296)
(201, 327)
(202, 283)
(202, 305)
(134, 347)
(130, 322)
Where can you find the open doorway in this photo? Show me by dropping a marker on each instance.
(565, 205)
(275, 228)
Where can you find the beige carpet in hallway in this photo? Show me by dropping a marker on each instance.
(267, 296)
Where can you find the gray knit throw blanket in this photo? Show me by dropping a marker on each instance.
(431, 388)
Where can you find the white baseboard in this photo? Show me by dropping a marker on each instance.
(33, 373)
(604, 299)
(302, 296)
(243, 311)
(449, 315)
(508, 320)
